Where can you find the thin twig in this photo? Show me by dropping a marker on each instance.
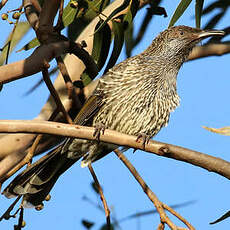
(172, 211)
(20, 219)
(107, 211)
(69, 84)
(59, 26)
(28, 158)
(54, 93)
(6, 215)
(10, 40)
(163, 217)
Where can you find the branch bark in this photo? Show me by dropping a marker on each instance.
(210, 163)
(34, 63)
(209, 50)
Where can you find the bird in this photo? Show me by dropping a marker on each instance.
(134, 97)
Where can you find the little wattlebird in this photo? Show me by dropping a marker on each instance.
(134, 97)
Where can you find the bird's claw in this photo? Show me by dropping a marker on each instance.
(99, 129)
(145, 139)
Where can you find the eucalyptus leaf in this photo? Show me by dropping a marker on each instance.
(118, 44)
(20, 31)
(116, 11)
(32, 44)
(198, 11)
(183, 5)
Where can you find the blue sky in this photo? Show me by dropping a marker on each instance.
(203, 86)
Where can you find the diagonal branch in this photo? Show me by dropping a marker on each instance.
(163, 217)
(106, 208)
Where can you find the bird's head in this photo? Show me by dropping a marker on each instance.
(179, 40)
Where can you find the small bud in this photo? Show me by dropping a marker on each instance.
(73, 4)
(39, 207)
(48, 197)
(23, 224)
(16, 15)
(4, 16)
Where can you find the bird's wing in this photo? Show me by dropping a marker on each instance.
(89, 109)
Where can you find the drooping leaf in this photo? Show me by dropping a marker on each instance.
(128, 26)
(21, 29)
(214, 20)
(198, 11)
(183, 5)
(96, 7)
(125, 4)
(223, 131)
(68, 15)
(82, 20)
(129, 40)
(225, 216)
(76, 27)
(223, 5)
(85, 78)
(30, 45)
(101, 45)
(118, 44)
(133, 7)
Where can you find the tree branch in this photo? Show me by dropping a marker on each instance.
(34, 63)
(210, 163)
(209, 50)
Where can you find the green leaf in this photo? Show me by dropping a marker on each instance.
(118, 44)
(32, 44)
(20, 31)
(96, 7)
(101, 44)
(223, 131)
(85, 78)
(68, 15)
(125, 4)
(198, 11)
(183, 5)
(129, 40)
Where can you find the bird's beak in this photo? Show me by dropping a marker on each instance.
(208, 33)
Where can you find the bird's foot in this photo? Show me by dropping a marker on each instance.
(145, 139)
(99, 129)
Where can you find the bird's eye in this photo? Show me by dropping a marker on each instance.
(181, 33)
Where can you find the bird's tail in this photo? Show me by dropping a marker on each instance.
(37, 180)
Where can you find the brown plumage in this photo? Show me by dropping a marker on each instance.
(134, 97)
